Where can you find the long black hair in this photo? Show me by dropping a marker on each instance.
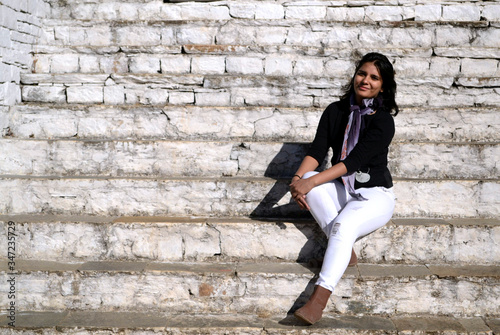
(386, 70)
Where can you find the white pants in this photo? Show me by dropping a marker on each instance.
(345, 220)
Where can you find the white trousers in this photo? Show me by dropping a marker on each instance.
(345, 220)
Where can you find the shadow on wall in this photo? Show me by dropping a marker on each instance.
(278, 202)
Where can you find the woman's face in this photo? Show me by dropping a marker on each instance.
(367, 82)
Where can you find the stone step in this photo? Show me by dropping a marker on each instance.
(239, 90)
(276, 61)
(336, 11)
(421, 124)
(252, 288)
(167, 239)
(167, 159)
(229, 196)
(223, 324)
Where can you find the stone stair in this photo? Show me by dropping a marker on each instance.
(146, 170)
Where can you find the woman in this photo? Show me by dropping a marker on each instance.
(354, 197)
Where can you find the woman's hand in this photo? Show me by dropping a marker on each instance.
(299, 188)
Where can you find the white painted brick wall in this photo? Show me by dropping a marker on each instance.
(19, 30)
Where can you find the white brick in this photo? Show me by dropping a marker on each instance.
(89, 64)
(107, 11)
(338, 67)
(452, 36)
(278, 66)
(128, 11)
(85, 94)
(83, 11)
(114, 95)
(170, 12)
(8, 17)
(488, 38)
(175, 64)
(461, 13)
(138, 35)
(41, 63)
(195, 35)
(10, 94)
(230, 34)
(208, 65)
(297, 36)
(64, 63)
(167, 36)
(350, 14)
(99, 36)
(491, 12)
(412, 38)
(445, 66)
(270, 35)
(44, 94)
(242, 10)
(144, 64)
(69, 35)
(428, 12)
(480, 67)
(269, 12)
(150, 10)
(244, 65)
(181, 98)
(155, 96)
(115, 64)
(212, 98)
(306, 12)
(384, 13)
(199, 11)
(308, 67)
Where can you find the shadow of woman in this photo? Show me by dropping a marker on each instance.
(278, 205)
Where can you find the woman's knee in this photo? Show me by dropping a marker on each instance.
(309, 174)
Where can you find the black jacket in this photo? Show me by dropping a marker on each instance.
(369, 154)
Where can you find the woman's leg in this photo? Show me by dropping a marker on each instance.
(357, 219)
(326, 201)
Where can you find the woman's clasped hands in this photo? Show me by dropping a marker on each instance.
(299, 188)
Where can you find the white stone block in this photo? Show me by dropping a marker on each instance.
(278, 66)
(41, 63)
(270, 35)
(305, 12)
(349, 14)
(195, 35)
(491, 12)
(107, 11)
(66, 63)
(55, 94)
(309, 67)
(244, 65)
(8, 17)
(150, 11)
(154, 96)
(453, 36)
(10, 94)
(208, 65)
(128, 11)
(489, 38)
(170, 12)
(412, 38)
(212, 98)
(144, 64)
(69, 35)
(99, 36)
(200, 11)
(230, 34)
(384, 13)
(267, 11)
(242, 10)
(338, 67)
(444, 66)
(461, 13)
(480, 67)
(428, 12)
(89, 64)
(138, 35)
(181, 98)
(114, 64)
(85, 94)
(168, 36)
(175, 64)
(114, 95)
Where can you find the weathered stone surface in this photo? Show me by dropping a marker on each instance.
(168, 239)
(178, 290)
